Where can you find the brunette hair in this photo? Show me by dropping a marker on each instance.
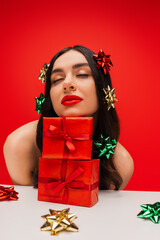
(107, 122)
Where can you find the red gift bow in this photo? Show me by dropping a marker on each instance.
(70, 182)
(103, 61)
(69, 146)
(8, 193)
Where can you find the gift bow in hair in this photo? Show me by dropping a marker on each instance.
(103, 61)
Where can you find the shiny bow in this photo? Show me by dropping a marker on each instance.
(39, 102)
(8, 193)
(43, 71)
(104, 146)
(103, 61)
(151, 212)
(56, 132)
(110, 97)
(58, 221)
(70, 182)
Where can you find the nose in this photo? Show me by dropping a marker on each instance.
(70, 86)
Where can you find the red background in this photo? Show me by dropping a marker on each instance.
(33, 31)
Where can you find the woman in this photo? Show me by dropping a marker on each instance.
(74, 87)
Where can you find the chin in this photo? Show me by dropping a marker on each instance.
(73, 114)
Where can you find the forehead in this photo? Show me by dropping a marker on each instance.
(69, 58)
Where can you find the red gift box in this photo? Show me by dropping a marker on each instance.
(74, 182)
(67, 137)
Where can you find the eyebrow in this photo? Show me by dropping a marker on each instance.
(78, 65)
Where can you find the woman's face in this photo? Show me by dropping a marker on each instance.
(73, 90)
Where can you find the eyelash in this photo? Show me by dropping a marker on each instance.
(82, 75)
(57, 80)
(79, 75)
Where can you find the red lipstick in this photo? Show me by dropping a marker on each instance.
(70, 100)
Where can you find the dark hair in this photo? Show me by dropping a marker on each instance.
(107, 123)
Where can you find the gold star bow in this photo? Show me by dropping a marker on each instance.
(58, 221)
(110, 97)
(43, 71)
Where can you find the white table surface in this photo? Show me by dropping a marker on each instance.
(113, 217)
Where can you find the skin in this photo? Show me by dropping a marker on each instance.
(71, 79)
(20, 149)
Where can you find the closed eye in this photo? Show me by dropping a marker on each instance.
(82, 75)
(57, 80)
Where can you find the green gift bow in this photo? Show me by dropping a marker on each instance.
(150, 211)
(104, 146)
(39, 101)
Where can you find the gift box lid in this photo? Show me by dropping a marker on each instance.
(67, 137)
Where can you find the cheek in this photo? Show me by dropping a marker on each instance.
(53, 96)
(91, 103)
(94, 98)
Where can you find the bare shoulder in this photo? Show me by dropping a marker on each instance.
(26, 132)
(21, 153)
(123, 163)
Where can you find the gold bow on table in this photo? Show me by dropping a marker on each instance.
(58, 221)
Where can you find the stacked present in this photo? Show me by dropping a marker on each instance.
(67, 174)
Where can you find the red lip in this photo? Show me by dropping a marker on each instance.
(70, 99)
